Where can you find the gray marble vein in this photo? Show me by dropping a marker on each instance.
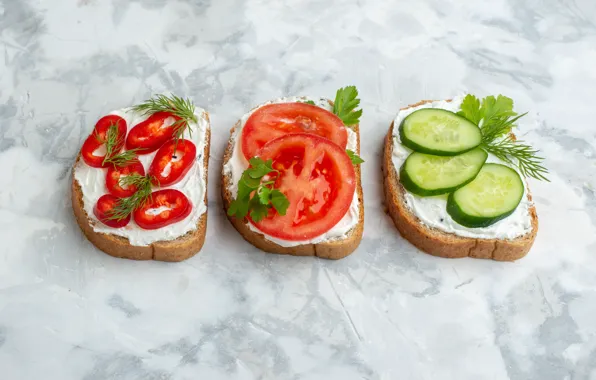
(69, 312)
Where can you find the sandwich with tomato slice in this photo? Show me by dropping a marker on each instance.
(291, 176)
(139, 186)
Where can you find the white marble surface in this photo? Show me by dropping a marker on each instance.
(67, 311)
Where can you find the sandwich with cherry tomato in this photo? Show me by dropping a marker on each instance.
(291, 176)
(139, 187)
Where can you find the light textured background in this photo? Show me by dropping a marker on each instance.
(67, 311)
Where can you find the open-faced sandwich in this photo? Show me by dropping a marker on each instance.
(454, 178)
(291, 176)
(139, 187)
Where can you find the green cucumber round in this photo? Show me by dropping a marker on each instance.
(428, 175)
(439, 132)
(493, 195)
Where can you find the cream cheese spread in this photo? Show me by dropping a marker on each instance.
(237, 164)
(432, 211)
(92, 183)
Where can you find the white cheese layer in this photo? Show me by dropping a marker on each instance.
(237, 164)
(92, 182)
(432, 211)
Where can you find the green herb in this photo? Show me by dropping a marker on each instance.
(308, 102)
(345, 104)
(113, 142)
(256, 195)
(123, 158)
(356, 160)
(182, 108)
(126, 206)
(496, 119)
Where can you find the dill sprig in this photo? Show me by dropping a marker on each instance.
(182, 108)
(126, 206)
(518, 154)
(496, 119)
(123, 158)
(113, 142)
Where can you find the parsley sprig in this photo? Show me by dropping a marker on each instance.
(126, 206)
(356, 160)
(496, 119)
(182, 108)
(345, 104)
(256, 195)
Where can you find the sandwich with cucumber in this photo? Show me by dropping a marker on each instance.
(291, 176)
(455, 178)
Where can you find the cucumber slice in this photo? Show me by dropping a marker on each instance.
(427, 175)
(439, 132)
(493, 195)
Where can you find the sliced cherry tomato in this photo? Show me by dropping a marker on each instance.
(104, 204)
(319, 181)
(115, 173)
(163, 208)
(152, 133)
(276, 120)
(93, 150)
(172, 161)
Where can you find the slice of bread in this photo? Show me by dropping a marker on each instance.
(333, 249)
(439, 243)
(179, 249)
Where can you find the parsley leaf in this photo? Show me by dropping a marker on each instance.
(470, 109)
(356, 160)
(279, 201)
(345, 104)
(256, 195)
(308, 102)
(496, 118)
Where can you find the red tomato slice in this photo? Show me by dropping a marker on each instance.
(276, 120)
(169, 166)
(319, 181)
(97, 137)
(152, 133)
(104, 204)
(115, 173)
(163, 208)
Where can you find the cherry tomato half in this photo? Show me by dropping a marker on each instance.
(172, 161)
(104, 204)
(152, 133)
(276, 120)
(319, 180)
(91, 152)
(115, 173)
(163, 208)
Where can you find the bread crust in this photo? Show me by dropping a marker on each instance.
(439, 243)
(176, 250)
(334, 250)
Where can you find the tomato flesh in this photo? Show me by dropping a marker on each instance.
(152, 133)
(114, 175)
(163, 208)
(91, 150)
(172, 161)
(319, 181)
(276, 120)
(102, 208)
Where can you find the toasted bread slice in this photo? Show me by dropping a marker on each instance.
(439, 243)
(333, 249)
(179, 249)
